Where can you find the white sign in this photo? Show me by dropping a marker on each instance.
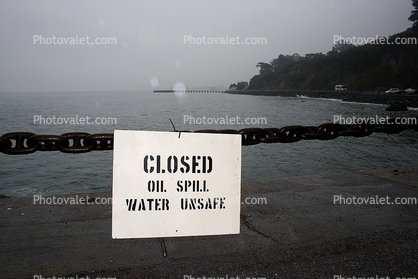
(165, 185)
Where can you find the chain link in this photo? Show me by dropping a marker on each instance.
(25, 143)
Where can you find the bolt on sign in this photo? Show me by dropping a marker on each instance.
(167, 184)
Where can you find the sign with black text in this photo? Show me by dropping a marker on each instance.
(168, 184)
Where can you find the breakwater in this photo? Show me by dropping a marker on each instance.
(187, 91)
(373, 97)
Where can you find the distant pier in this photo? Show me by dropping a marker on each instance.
(189, 91)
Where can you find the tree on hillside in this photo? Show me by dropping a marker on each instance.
(414, 14)
(280, 62)
(340, 47)
(264, 68)
(314, 55)
(242, 85)
(296, 57)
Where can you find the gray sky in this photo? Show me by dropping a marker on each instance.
(150, 49)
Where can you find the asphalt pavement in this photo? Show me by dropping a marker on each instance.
(361, 224)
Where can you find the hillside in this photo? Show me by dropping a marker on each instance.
(367, 67)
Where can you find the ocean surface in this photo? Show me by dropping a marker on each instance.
(50, 173)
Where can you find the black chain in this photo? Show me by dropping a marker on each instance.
(25, 143)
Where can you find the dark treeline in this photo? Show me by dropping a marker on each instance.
(377, 65)
(372, 66)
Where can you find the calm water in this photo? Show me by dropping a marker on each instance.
(49, 173)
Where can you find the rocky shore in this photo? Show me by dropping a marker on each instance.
(373, 97)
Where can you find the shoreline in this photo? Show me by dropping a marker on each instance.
(367, 97)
